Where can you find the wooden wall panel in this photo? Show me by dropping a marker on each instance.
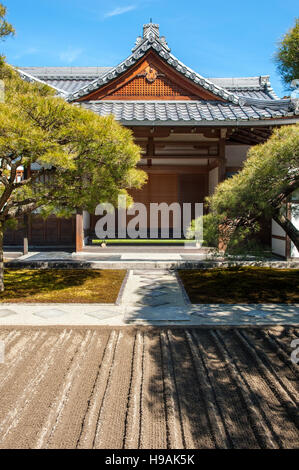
(52, 231)
(14, 237)
(37, 233)
(159, 188)
(193, 188)
(162, 87)
(67, 230)
(163, 188)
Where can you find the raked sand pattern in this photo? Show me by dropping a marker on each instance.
(143, 387)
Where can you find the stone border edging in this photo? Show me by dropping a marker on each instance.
(121, 292)
(182, 287)
(129, 265)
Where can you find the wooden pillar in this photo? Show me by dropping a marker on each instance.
(26, 235)
(221, 170)
(222, 160)
(150, 151)
(79, 231)
(224, 238)
(288, 240)
(26, 174)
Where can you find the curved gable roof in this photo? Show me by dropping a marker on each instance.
(152, 40)
(243, 98)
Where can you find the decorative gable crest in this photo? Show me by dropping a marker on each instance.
(151, 74)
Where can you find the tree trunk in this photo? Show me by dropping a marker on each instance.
(288, 227)
(1, 259)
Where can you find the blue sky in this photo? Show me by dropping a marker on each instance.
(215, 38)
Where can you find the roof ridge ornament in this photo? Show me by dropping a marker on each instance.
(151, 34)
(151, 29)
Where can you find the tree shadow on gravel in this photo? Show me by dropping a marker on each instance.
(218, 387)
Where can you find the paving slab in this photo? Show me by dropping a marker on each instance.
(151, 256)
(148, 315)
(50, 313)
(103, 314)
(5, 312)
(46, 256)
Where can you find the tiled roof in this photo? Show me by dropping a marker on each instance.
(248, 85)
(184, 111)
(257, 94)
(246, 98)
(71, 79)
(67, 72)
(66, 79)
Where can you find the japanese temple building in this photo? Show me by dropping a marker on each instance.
(194, 131)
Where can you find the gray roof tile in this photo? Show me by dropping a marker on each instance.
(198, 111)
(67, 79)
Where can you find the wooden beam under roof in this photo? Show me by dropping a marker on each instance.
(166, 131)
(175, 169)
(250, 135)
(178, 143)
(239, 139)
(183, 155)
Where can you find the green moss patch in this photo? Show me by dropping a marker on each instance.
(62, 285)
(241, 285)
(143, 241)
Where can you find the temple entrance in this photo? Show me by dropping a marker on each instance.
(170, 190)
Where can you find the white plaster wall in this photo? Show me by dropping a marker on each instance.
(236, 154)
(213, 180)
(277, 230)
(278, 247)
(86, 219)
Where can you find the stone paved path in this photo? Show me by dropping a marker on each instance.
(154, 296)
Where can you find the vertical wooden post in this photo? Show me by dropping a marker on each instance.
(150, 150)
(223, 240)
(79, 231)
(222, 161)
(26, 234)
(288, 253)
(26, 220)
